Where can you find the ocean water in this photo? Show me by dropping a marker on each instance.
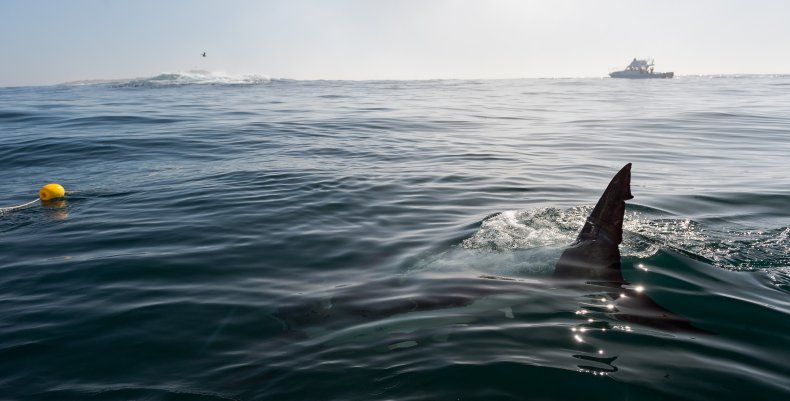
(213, 222)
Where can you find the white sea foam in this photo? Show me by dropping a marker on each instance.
(526, 231)
(192, 77)
(522, 229)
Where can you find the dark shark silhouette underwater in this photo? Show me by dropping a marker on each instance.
(592, 261)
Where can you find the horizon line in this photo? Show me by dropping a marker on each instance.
(99, 81)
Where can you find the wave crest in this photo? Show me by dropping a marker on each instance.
(193, 77)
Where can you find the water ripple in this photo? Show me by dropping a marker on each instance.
(203, 206)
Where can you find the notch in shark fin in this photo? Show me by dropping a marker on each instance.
(606, 220)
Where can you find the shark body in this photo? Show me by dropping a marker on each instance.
(591, 262)
(594, 258)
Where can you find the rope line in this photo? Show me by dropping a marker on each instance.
(24, 205)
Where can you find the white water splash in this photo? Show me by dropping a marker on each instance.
(523, 229)
(730, 248)
(192, 77)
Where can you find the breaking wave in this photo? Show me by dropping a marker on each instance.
(193, 77)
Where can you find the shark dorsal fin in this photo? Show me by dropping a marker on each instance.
(606, 220)
(595, 255)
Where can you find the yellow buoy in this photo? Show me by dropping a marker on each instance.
(51, 191)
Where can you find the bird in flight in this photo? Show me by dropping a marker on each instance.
(204, 54)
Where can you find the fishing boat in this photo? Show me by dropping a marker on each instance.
(639, 69)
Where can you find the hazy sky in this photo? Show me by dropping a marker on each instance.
(44, 42)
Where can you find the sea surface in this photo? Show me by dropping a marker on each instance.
(212, 223)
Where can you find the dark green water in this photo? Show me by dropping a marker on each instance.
(200, 214)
